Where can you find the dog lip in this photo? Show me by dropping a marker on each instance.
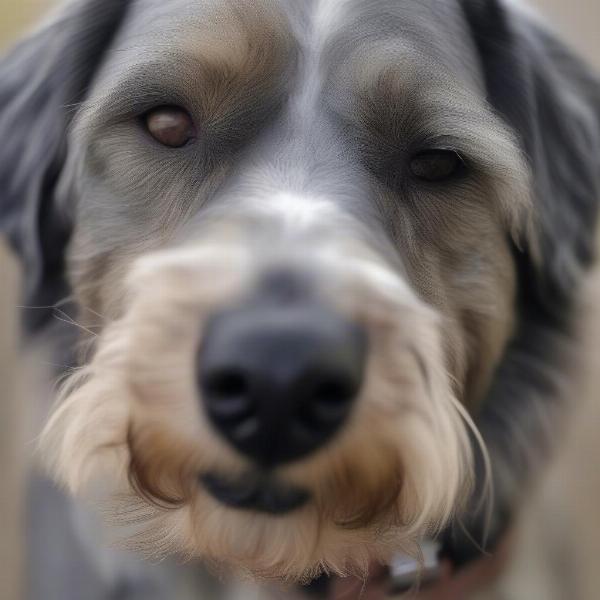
(255, 493)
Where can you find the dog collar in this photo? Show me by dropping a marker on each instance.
(407, 572)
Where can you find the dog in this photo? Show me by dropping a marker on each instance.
(325, 257)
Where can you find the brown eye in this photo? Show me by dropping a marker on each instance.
(171, 126)
(437, 165)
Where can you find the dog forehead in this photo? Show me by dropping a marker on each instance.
(327, 16)
(438, 29)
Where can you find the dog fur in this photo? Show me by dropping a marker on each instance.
(308, 115)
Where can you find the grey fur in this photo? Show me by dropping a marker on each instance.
(465, 74)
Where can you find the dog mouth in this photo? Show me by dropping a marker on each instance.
(259, 493)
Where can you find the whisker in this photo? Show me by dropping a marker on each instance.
(487, 497)
(65, 318)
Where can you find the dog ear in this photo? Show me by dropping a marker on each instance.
(41, 82)
(551, 100)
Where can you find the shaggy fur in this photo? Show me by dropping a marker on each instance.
(308, 116)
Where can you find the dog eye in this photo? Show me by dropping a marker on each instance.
(436, 165)
(171, 126)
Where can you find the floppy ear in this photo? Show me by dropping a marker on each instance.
(40, 83)
(551, 100)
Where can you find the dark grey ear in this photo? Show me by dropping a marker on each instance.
(551, 100)
(40, 83)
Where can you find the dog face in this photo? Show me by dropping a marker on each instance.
(301, 126)
(297, 222)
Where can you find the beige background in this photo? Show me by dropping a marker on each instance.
(577, 19)
(16, 15)
(12, 437)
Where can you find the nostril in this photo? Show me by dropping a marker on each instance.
(327, 403)
(227, 393)
(332, 392)
(226, 383)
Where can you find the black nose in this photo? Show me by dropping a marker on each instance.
(278, 379)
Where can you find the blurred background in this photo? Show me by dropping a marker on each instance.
(577, 19)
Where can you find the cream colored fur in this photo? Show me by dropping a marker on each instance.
(399, 470)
